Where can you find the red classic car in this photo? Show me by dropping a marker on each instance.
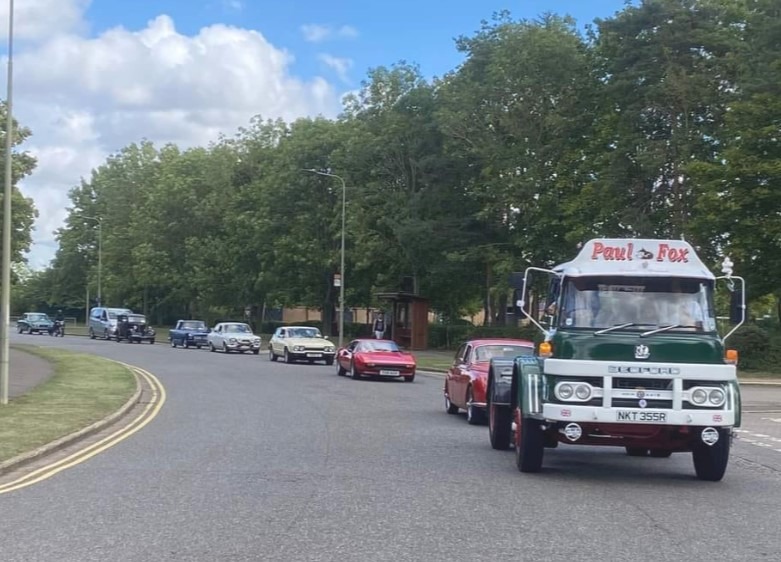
(375, 358)
(467, 378)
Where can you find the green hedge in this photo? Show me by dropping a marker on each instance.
(442, 336)
(758, 349)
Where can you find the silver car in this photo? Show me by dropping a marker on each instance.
(103, 321)
(233, 336)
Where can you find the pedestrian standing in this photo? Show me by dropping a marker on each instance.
(379, 325)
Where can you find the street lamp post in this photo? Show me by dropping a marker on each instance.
(5, 276)
(341, 268)
(100, 255)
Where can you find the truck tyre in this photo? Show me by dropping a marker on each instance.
(500, 426)
(637, 451)
(529, 443)
(710, 462)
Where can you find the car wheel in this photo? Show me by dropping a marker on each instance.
(354, 373)
(410, 378)
(329, 361)
(339, 371)
(661, 453)
(105, 334)
(151, 342)
(450, 408)
(224, 347)
(185, 343)
(288, 357)
(173, 342)
(474, 416)
(91, 334)
(20, 329)
(256, 351)
(199, 346)
(271, 355)
(211, 347)
(637, 451)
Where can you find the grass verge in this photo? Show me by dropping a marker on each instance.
(434, 360)
(83, 390)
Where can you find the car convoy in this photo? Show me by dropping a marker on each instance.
(630, 357)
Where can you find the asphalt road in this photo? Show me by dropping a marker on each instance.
(252, 460)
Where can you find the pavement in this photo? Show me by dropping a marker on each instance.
(26, 371)
(254, 460)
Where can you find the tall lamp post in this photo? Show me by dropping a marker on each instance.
(5, 276)
(100, 255)
(341, 268)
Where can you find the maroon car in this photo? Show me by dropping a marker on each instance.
(375, 358)
(467, 378)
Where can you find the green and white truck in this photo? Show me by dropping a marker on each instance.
(631, 357)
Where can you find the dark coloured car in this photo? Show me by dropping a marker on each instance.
(189, 333)
(134, 328)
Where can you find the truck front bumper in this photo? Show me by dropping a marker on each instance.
(639, 416)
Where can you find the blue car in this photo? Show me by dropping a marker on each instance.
(34, 323)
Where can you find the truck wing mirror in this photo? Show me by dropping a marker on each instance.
(736, 311)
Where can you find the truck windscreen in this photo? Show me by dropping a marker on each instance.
(643, 302)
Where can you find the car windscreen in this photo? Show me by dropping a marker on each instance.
(193, 325)
(304, 332)
(378, 346)
(500, 351)
(237, 329)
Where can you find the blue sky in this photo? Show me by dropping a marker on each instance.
(387, 31)
(93, 76)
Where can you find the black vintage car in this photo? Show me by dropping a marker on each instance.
(134, 328)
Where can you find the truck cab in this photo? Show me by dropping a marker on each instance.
(631, 357)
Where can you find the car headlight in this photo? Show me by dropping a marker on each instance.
(298, 348)
(329, 349)
(232, 340)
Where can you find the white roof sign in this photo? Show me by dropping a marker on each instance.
(636, 257)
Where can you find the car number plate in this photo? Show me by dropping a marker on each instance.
(389, 373)
(640, 416)
(314, 354)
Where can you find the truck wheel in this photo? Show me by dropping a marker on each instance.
(636, 451)
(500, 426)
(529, 443)
(474, 416)
(710, 461)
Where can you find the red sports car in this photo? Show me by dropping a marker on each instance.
(466, 380)
(375, 358)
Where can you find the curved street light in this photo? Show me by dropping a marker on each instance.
(100, 254)
(341, 268)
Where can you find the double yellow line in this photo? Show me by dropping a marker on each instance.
(147, 415)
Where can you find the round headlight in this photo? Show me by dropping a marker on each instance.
(583, 392)
(565, 391)
(699, 396)
(232, 340)
(716, 397)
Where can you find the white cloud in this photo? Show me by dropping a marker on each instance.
(39, 19)
(84, 98)
(339, 65)
(316, 33)
(235, 5)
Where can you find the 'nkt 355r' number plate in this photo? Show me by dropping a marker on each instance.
(640, 416)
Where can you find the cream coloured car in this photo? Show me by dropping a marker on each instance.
(301, 343)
